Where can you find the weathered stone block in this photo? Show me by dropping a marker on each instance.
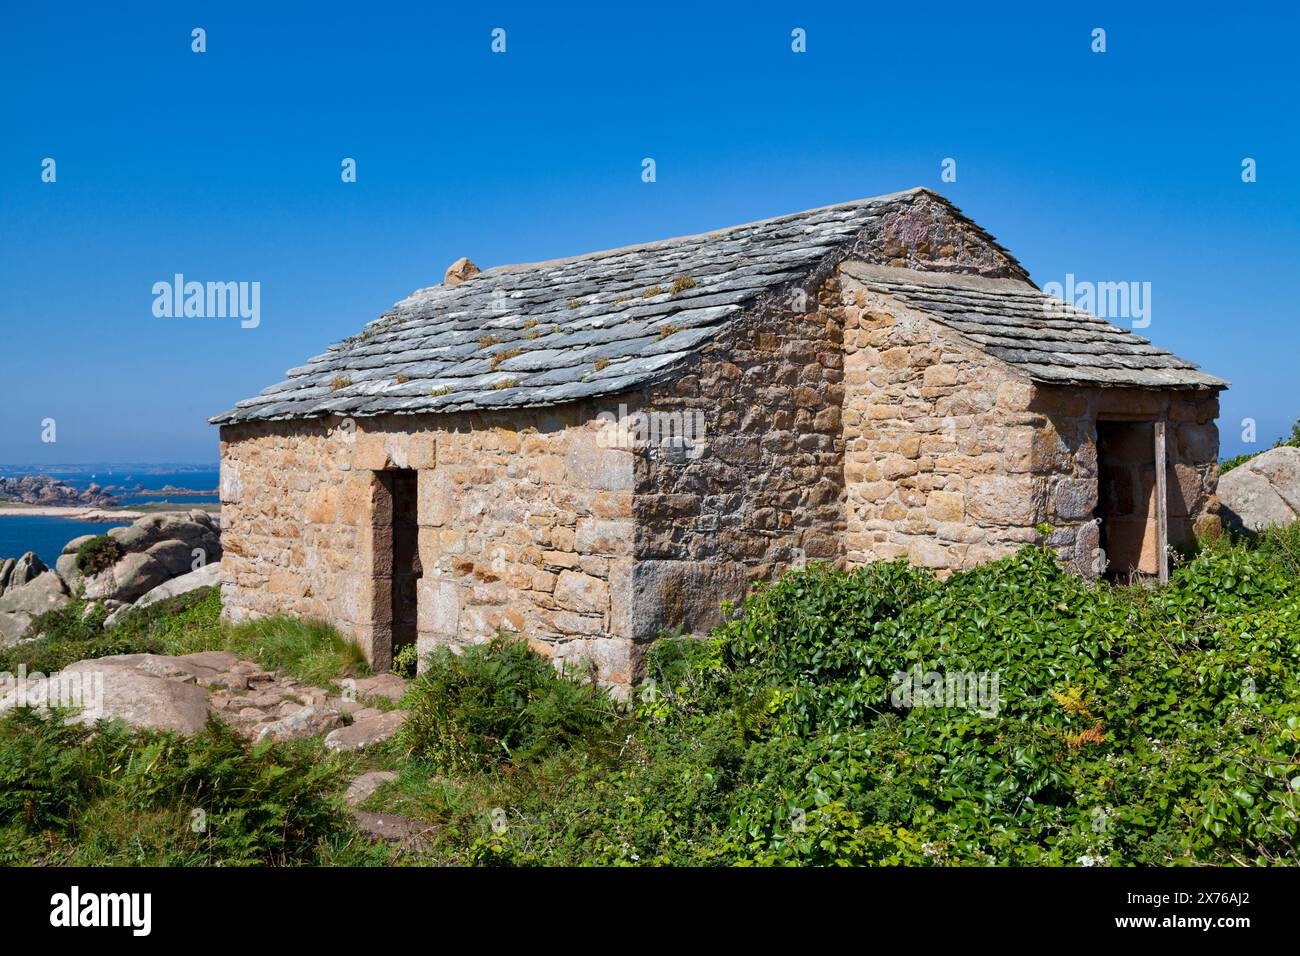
(945, 506)
(589, 465)
(438, 605)
(581, 592)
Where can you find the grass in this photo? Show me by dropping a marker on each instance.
(1282, 545)
(312, 651)
(176, 507)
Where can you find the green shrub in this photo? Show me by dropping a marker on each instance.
(178, 625)
(98, 554)
(406, 661)
(1133, 725)
(499, 703)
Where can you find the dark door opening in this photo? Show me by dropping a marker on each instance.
(397, 564)
(1126, 499)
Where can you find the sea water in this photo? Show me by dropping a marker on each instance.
(44, 535)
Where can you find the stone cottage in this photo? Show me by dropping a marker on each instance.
(588, 451)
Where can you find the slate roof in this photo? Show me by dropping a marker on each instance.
(1046, 338)
(608, 322)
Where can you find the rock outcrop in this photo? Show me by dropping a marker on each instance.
(44, 490)
(146, 690)
(20, 605)
(154, 550)
(15, 572)
(366, 732)
(181, 694)
(207, 576)
(361, 788)
(159, 556)
(1263, 492)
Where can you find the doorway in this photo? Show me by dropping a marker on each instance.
(1127, 509)
(397, 569)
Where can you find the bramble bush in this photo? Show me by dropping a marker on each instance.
(498, 703)
(1134, 725)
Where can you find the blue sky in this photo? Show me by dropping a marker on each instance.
(225, 165)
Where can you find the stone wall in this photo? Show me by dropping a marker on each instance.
(831, 423)
(525, 525)
(944, 464)
(763, 488)
(925, 236)
(295, 524)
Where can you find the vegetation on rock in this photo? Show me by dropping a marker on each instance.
(98, 554)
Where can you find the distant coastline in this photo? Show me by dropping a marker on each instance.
(68, 511)
(82, 513)
(106, 467)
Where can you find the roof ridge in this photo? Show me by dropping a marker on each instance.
(708, 233)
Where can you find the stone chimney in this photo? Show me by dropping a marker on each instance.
(460, 271)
